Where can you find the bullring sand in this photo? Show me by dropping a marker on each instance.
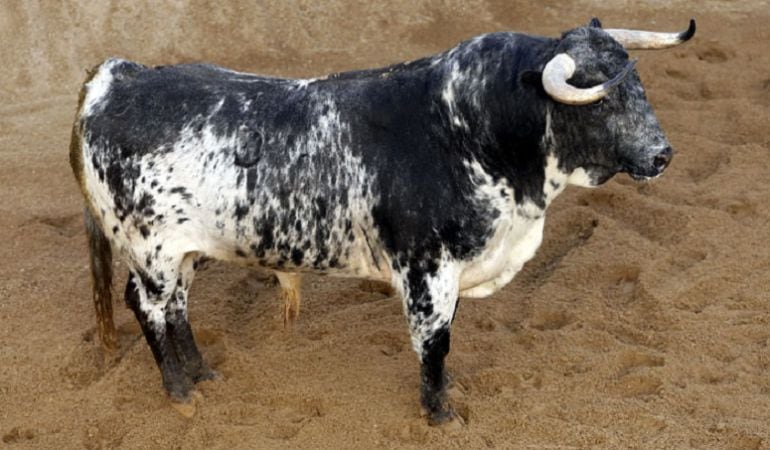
(643, 321)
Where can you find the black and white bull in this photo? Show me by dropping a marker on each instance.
(433, 175)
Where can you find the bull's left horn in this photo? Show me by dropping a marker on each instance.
(650, 40)
(561, 68)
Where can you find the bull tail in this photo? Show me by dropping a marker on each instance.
(100, 255)
(99, 250)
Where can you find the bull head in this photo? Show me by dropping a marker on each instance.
(602, 122)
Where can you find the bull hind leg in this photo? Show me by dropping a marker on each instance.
(178, 326)
(149, 302)
(430, 300)
(290, 294)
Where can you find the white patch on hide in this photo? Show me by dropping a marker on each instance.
(98, 87)
(580, 177)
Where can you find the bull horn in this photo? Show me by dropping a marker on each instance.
(561, 67)
(649, 40)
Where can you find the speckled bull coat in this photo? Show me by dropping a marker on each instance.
(433, 175)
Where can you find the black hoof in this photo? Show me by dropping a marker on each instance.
(179, 390)
(443, 416)
(189, 407)
(179, 395)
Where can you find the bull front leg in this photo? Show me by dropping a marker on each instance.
(430, 294)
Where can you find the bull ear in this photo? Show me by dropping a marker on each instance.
(595, 23)
(532, 79)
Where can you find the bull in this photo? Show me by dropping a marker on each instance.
(432, 175)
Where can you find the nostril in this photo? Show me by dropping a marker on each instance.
(663, 158)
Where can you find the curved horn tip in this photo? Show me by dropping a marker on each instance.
(687, 35)
(617, 79)
(629, 67)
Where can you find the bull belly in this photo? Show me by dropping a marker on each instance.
(297, 252)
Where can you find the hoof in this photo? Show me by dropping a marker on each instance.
(179, 396)
(445, 416)
(179, 391)
(441, 417)
(187, 410)
(189, 406)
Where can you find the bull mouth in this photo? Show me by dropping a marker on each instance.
(651, 173)
(647, 174)
(643, 177)
(601, 174)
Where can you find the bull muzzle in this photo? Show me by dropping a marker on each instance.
(652, 167)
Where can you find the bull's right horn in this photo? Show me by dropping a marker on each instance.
(649, 40)
(561, 68)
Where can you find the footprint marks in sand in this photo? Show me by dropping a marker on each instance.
(88, 363)
(18, 435)
(415, 430)
(635, 378)
(631, 361)
(691, 85)
(491, 382)
(69, 225)
(212, 347)
(550, 319)
(660, 224)
(683, 259)
(714, 52)
(741, 207)
(282, 417)
(624, 287)
(572, 232)
(707, 163)
(389, 343)
(637, 386)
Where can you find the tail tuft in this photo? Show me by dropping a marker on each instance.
(100, 254)
(290, 294)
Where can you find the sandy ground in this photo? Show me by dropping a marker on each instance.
(643, 322)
